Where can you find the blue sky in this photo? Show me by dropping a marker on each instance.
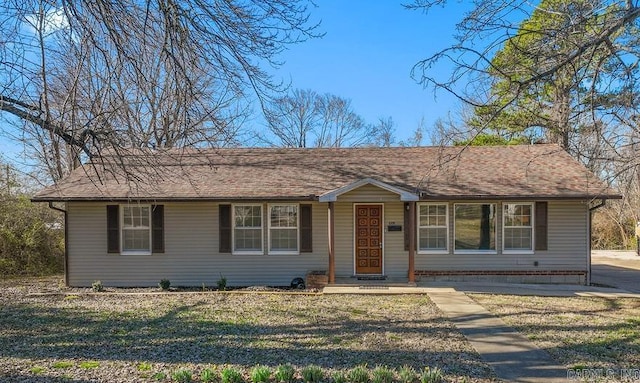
(367, 55)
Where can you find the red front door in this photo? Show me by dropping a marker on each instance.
(368, 239)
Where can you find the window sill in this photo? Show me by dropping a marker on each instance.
(247, 253)
(432, 252)
(518, 252)
(135, 253)
(284, 253)
(478, 252)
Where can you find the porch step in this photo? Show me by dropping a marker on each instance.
(371, 277)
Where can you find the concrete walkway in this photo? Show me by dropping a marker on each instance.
(511, 355)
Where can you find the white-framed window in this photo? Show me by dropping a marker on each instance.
(284, 237)
(136, 229)
(247, 229)
(517, 227)
(474, 226)
(433, 228)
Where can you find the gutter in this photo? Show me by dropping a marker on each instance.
(66, 242)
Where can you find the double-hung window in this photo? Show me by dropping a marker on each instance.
(283, 229)
(475, 227)
(433, 222)
(247, 229)
(136, 229)
(518, 227)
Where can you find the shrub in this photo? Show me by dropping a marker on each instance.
(222, 283)
(144, 366)
(382, 374)
(164, 284)
(284, 373)
(31, 234)
(97, 286)
(358, 374)
(312, 374)
(231, 375)
(407, 374)
(208, 375)
(260, 374)
(431, 375)
(182, 376)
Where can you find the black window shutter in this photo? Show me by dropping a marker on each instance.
(224, 224)
(306, 232)
(113, 229)
(541, 225)
(157, 225)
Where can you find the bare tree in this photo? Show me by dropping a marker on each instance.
(340, 125)
(385, 132)
(417, 136)
(305, 118)
(79, 78)
(293, 118)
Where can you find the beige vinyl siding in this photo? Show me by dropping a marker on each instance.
(396, 261)
(567, 245)
(191, 255)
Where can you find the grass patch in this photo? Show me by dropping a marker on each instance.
(62, 364)
(592, 332)
(37, 370)
(89, 364)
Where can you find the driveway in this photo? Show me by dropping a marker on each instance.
(619, 269)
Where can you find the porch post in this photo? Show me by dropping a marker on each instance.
(412, 241)
(332, 249)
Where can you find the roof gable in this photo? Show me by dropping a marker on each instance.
(333, 195)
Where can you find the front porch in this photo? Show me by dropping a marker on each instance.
(371, 234)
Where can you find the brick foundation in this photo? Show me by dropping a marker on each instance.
(504, 276)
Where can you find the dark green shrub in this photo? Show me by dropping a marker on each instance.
(97, 286)
(164, 284)
(222, 283)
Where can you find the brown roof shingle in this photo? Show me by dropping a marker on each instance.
(526, 171)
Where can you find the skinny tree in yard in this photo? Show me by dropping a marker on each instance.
(81, 78)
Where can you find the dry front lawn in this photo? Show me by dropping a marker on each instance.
(148, 337)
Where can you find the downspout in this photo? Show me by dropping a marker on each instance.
(66, 243)
(590, 218)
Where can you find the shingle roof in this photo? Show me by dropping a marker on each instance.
(527, 171)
